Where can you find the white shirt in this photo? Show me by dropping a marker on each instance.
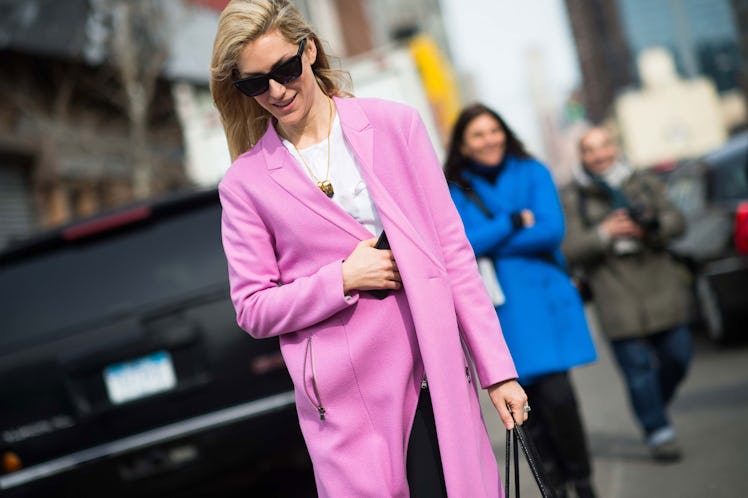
(351, 192)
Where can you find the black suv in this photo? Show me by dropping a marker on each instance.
(712, 192)
(122, 369)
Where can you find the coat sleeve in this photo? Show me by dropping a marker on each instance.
(476, 315)
(546, 234)
(484, 233)
(581, 245)
(265, 306)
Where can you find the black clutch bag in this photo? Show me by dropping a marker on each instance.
(382, 243)
(520, 440)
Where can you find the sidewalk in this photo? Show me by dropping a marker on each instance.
(710, 414)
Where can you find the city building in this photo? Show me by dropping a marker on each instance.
(701, 35)
(69, 137)
(603, 53)
(667, 74)
(669, 118)
(740, 8)
(100, 111)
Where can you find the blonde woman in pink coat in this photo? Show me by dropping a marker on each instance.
(385, 385)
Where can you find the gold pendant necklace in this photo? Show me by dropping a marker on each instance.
(324, 185)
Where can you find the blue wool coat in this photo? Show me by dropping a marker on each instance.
(543, 317)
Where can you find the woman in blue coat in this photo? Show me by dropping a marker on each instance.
(512, 214)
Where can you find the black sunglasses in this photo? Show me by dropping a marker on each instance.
(283, 74)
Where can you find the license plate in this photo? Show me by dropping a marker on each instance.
(140, 378)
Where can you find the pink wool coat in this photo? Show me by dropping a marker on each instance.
(357, 362)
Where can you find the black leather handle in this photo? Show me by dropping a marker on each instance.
(517, 435)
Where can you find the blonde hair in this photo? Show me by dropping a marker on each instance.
(241, 22)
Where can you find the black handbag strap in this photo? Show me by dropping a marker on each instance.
(508, 465)
(473, 196)
(519, 438)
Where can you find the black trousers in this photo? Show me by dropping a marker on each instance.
(424, 463)
(555, 427)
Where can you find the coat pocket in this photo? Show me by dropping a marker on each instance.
(310, 379)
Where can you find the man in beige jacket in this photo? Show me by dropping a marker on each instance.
(619, 222)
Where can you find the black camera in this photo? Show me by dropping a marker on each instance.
(645, 217)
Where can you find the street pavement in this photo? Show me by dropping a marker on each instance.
(710, 414)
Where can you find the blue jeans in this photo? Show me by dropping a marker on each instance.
(653, 367)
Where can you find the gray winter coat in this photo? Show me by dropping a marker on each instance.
(635, 294)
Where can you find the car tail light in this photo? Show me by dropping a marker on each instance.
(741, 228)
(104, 224)
(10, 462)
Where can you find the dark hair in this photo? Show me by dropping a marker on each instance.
(455, 161)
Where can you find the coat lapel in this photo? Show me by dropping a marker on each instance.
(360, 135)
(284, 170)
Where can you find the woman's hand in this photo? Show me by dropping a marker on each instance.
(367, 268)
(509, 395)
(528, 218)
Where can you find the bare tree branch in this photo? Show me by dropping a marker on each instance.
(139, 49)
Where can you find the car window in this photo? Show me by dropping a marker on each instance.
(87, 281)
(730, 176)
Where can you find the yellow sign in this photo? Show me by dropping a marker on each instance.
(438, 80)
